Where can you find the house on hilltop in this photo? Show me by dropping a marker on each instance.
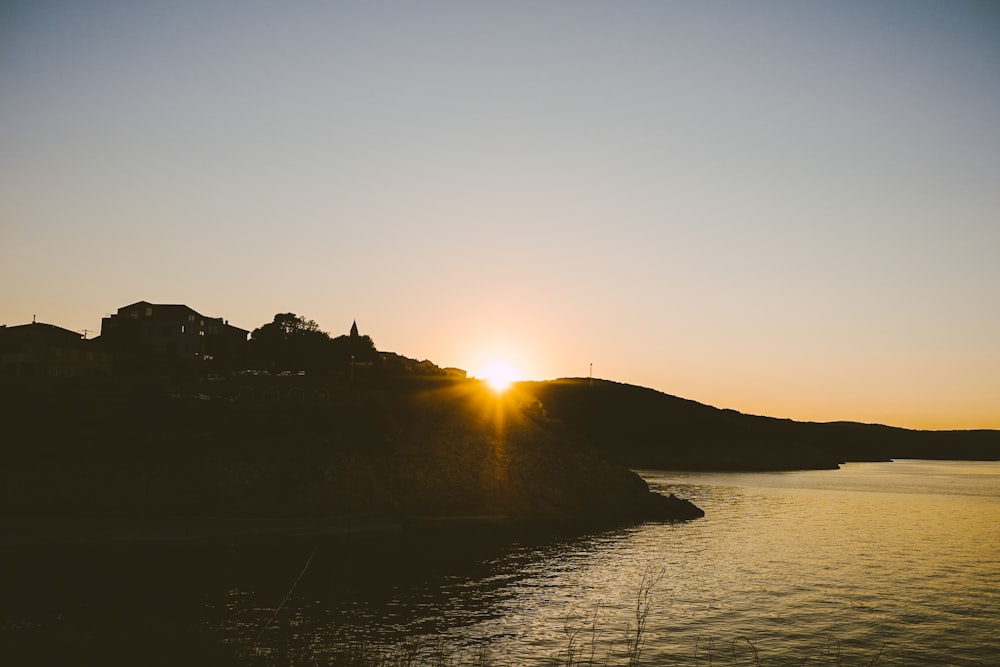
(46, 351)
(173, 332)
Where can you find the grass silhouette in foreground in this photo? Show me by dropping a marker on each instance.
(585, 647)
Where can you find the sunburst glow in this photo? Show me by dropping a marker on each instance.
(499, 374)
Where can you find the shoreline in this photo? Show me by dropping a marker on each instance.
(106, 531)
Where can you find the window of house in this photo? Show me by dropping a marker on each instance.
(149, 312)
(182, 328)
(190, 318)
(201, 333)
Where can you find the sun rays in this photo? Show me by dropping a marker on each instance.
(499, 375)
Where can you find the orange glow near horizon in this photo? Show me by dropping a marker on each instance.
(499, 374)
(788, 253)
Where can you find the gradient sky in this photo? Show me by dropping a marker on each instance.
(785, 208)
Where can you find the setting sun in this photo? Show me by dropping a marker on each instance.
(499, 375)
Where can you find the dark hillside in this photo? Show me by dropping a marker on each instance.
(428, 448)
(641, 427)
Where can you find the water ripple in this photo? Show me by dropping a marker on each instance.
(806, 565)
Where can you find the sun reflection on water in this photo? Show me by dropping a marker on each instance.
(798, 562)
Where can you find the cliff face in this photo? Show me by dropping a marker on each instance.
(444, 449)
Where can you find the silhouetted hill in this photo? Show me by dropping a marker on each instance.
(642, 427)
(431, 447)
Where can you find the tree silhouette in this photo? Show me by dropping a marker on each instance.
(290, 343)
(361, 348)
(290, 324)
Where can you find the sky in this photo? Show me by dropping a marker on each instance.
(784, 208)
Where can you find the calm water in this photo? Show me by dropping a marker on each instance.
(903, 555)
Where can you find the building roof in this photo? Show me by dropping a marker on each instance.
(160, 307)
(176, 309)
(40, 329)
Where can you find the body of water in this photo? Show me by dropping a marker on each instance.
(901, 557)
(812, 567)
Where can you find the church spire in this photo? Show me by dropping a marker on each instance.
(354, 329)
